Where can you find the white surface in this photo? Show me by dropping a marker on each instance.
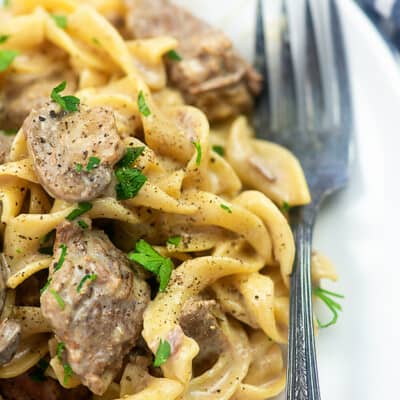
(356, 356)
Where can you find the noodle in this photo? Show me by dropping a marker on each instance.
(235, 244)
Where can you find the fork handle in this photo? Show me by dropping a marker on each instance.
(302, 373)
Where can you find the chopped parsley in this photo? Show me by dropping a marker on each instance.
(326, 297)
(78, 167)
(285, 207)
(6, 58)
(130, 181)
(174, 240)
(143, 108)
(174, 56)
(88, 277)
(219, 150)
(197, 145)
(150, 259)
(9, 132)
(58, 299)
(4, 38)
(94, 162)
(67, 103)
(83, 224)
(96, 41)
(68, 372)
(61, 260)
(163, 353)
(39, 370)
(226, 208)
(131, 155)
(60, 350)
(60, 20)
(19, 251)
(77, 212)
(45, 287)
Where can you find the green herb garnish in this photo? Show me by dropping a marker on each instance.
(61, 260)
(130, 181)
(131, 155)
(6, 58)
(150, 259)
(9, 132)
(285, 207)
(83, 224)
(96, 41)
(78, 167)
(174, 240)
(37, 374)
(163, 353)
(4, 38)
(68, 372)
(226, 208)
(45, 287)
(174, 56)
(94, 162)
(143, 108)
(60, 20)
(326, 297)
(77, 212)
(67, 103)
(219, 150)
(58, 298)
(60, 350)
(197, 145)
(88, 277)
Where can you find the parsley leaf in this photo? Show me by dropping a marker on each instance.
(326, 297)
(45, 287)
(163, 353)
(143, 108)
(131, 155)
(6, 58)
(68, 372)
(94, 162)
(9, 132)
(199, 152)
(174, 56)
(96, 41)
(68, 103)
(77, 212)
(90, 277)
(285, 207)
(4, 38)
(219, 150)
(83, 224)
(37, 374)
(60, 350)
(58, 298)
(154, 262)
(174, 240)
(130, 181)
(60, 261)
(60, 20)
(226, 208)
(78, 167)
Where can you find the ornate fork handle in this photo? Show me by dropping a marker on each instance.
(302, 374)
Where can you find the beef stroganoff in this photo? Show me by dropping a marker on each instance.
(146, 250)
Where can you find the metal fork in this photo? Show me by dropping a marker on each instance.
(306, 107)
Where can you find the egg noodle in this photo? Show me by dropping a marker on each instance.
(236, 240)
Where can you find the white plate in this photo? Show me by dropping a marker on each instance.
(350, 230)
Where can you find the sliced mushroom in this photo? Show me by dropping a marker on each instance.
(5, 146)
(10, 332)
(4, 273)
(61, 145)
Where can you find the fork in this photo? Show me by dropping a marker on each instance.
(306, 107)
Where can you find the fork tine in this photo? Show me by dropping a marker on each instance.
(322, 22)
